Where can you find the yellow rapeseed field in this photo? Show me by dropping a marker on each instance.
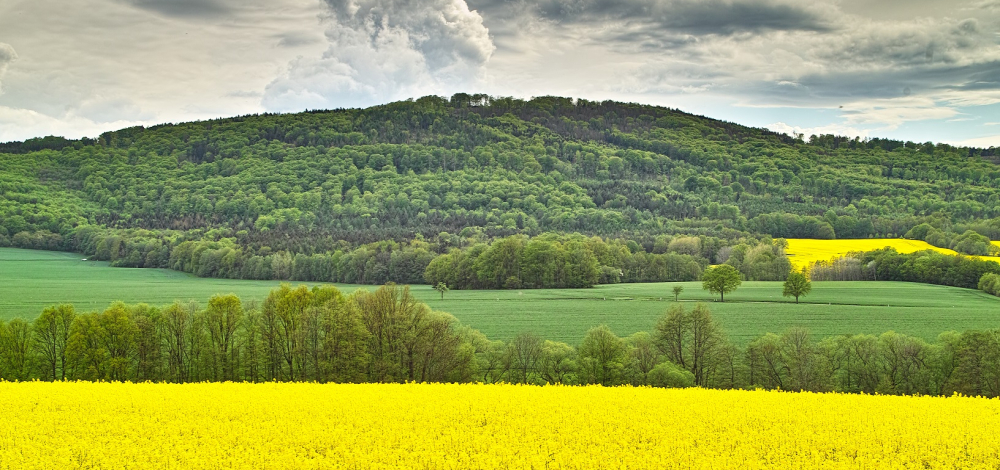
(804, 252)
(305, 426)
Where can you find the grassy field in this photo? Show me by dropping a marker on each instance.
(31, 280)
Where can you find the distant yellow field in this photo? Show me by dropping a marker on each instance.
(803, 252)
(428, 426)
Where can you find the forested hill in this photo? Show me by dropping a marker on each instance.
(420, 178)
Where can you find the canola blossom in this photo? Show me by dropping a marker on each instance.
(803, 252)
(443, 426)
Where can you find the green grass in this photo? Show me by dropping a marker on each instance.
(31, 280)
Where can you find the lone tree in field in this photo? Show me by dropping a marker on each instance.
(796, 285)
(721, 279)
(442, 288)
(677, 292)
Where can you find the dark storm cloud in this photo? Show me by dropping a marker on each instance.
(982, 77)
(652, 41)
(689, 16)
(185, 8)
(298, 38)
(7, 56)
(835, 88)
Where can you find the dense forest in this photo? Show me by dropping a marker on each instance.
(385, 335)
(566, 192)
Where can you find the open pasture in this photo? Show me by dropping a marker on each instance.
(432, 426)
(31, 280)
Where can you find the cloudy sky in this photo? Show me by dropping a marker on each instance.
(907, 69)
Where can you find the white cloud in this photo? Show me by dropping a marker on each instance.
(982, 142)
(988, 5)
(119, 62)
(380, 51)
(894, 112)
(108, 109)
(835, 129)
(21, 124)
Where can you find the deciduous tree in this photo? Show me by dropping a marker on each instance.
(796, 286)
(721, 279)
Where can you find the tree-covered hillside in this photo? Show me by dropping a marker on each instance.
(621, 192)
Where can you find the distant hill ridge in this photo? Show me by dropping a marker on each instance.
(451, 173)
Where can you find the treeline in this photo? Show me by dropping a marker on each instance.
(928, 266)
(319, 182)
(557, 262)
(296, 334)
(990, 284)
(462, 262)
(970, 242)
(322, 335)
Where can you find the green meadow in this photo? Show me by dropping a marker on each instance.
(31, 280)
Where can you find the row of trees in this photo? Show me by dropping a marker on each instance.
(723, 279)
(549, 260)
(990, 284)
(320, 334)
(471, 261)
(297, 334)
(556, 262)
(970, 242)
(887, 264)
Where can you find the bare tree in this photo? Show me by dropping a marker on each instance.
(177, 325)
(706, 338)
(525, 351)
(690, 340)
